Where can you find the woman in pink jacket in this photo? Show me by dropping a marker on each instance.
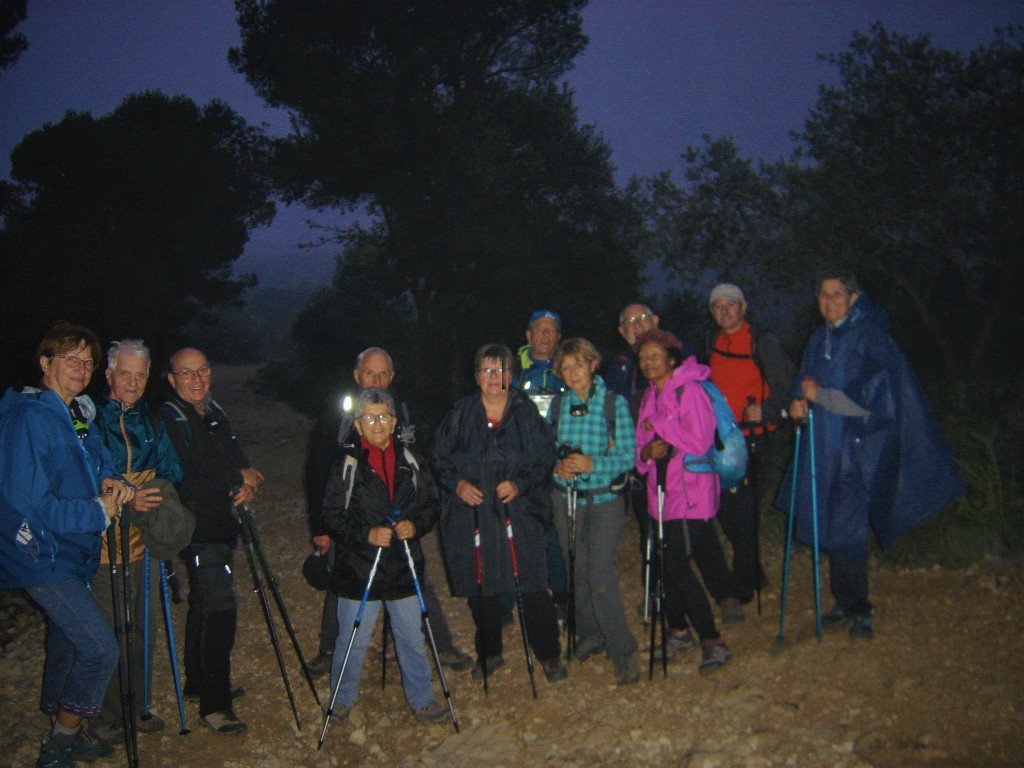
(676, 419)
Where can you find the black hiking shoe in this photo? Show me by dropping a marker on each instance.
(835, 618)
(493, 662)
(861, 627)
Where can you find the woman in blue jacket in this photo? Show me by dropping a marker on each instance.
(58, 492)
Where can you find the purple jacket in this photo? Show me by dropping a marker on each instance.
(686, 421)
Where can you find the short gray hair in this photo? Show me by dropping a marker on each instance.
(130, 347)
(622, 314)
(373, 396)
(373, 351)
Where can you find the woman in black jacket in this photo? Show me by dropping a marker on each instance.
(372, 510)
(494, 454)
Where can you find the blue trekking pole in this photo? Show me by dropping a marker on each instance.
(348, 650)
(789, 531)
(430, 632)
(814, 523)
(169, 625)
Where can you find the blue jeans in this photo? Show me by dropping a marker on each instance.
(405, 626)
(81, 651)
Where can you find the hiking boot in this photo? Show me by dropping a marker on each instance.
(732, 611)
(320, 664)
(55, 754)
(115, 731)
(89, 745)
(678, 640)
(861, 627)
(587, 647)
(493, 662)
(626, 671)
(432, 713)
(224, 723)
(714, 654)
(554, 670)
(455, 658)
(835, 618)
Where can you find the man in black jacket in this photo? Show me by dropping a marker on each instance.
(332, 435)
(217, 478)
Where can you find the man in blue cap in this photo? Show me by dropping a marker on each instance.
(538, 381)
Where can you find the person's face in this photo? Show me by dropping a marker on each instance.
(834, 301)
(190, 377)
(577, 374)
(636, 319)
(377, 434)
(543, 337)
(492, 377)
(68, 379)
(729, 314)
(375, 371)
(655, 363)
(127, 382)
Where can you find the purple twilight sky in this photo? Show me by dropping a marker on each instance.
(657, 75)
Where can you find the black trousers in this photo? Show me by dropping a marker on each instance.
(210, 624)
(541, 625)
(686, 603)
(848, 578)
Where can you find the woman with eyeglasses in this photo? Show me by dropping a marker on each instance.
(594, 432)
(492, 456)
(58, 493)
(374, 507)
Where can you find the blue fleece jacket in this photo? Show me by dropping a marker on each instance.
(51, 520)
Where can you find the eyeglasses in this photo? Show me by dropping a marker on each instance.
(74, 362)
(369, 419)
(188, 373)
(491, 371)
(637, 319)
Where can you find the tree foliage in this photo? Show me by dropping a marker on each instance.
(12, 44)
(909, 170)
(129, 223)
(443, 118)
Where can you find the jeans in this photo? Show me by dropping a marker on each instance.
(81, 651)
(600, 614)
(405, 628)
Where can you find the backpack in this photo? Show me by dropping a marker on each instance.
(728, 456)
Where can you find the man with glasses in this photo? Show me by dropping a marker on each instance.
(333, 435)
(536, 378)
(217, 478)
(622, 375)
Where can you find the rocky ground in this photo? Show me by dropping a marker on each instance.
(941, 684)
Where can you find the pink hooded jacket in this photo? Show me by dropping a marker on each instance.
(687, 422)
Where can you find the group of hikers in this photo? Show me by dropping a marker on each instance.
(529, 480)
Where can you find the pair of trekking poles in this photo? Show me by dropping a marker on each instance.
(124, 628)
(357, 622)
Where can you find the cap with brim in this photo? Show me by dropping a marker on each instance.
(167, 529)
(726, 291)
(545, 313)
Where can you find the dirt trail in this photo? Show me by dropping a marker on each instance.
(941, 684)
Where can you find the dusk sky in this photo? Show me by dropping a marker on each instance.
(656, 76)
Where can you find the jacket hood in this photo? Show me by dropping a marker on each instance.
(45, 398)
(688, 370)
(865, 309)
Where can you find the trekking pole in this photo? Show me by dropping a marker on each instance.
(570, 608)
(257, 587)
(430, 631)
(482, 652)
(348, 649)
(145, 637)
(129, 632)
(165, 596)
(789, 531)
(660, 619)
(250, 523)
(755, 492)
(120, 622)
(814, 523)
(519, 598)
